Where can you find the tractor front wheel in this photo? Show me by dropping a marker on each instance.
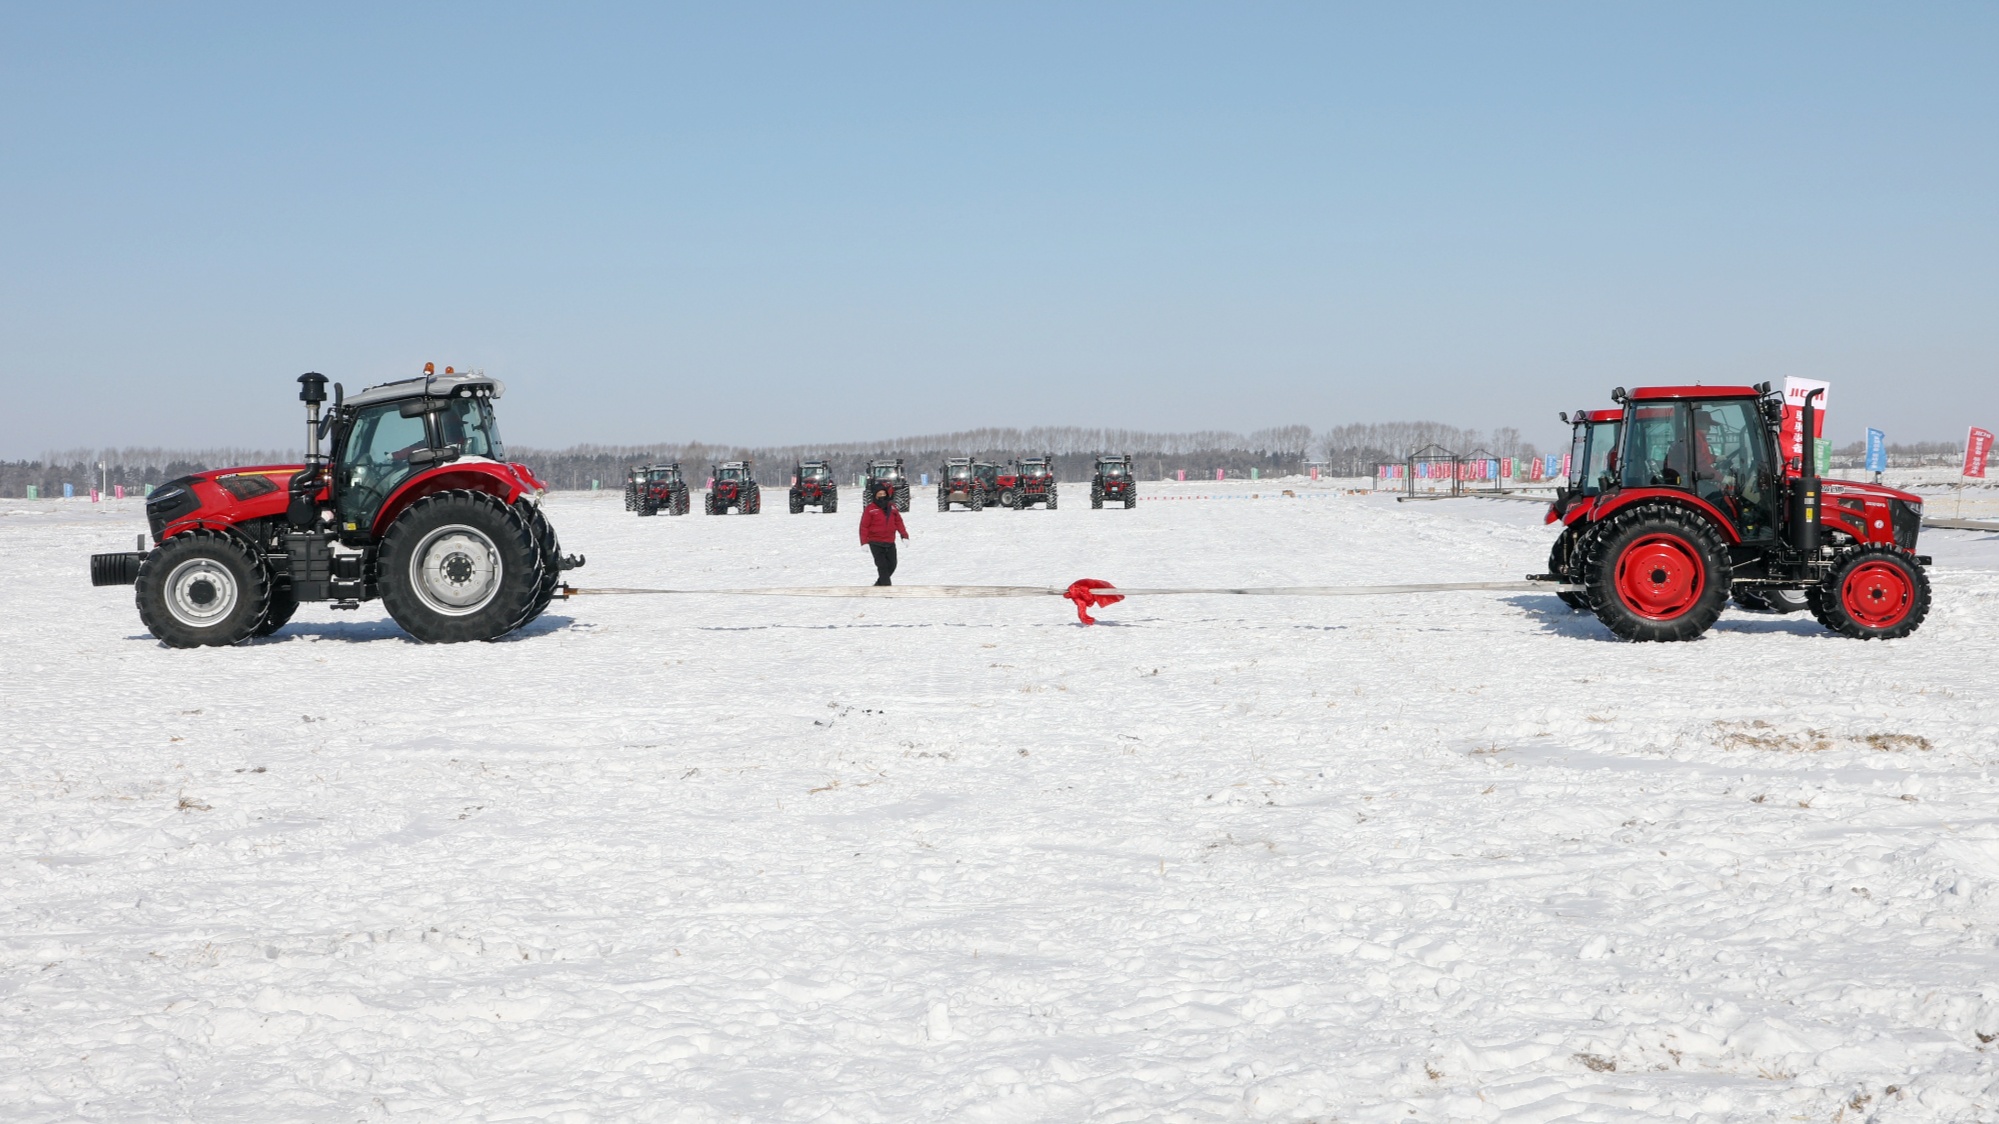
(1874, 593)
(1657, 574)
(203, 589)
(460, 565)
(1008, 498)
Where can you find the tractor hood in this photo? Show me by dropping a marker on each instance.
(1861, 488)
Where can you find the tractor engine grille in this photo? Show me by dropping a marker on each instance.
(170, 501)
(1908, 520)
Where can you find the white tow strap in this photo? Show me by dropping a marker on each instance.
(933, 592)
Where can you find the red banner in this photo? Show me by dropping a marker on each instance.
(1976, 447)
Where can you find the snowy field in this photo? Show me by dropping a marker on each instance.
(1457, 857)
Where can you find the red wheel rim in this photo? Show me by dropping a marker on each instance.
(1660, 577)
(1877, 594)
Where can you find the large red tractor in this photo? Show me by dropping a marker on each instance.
(1114, 481)
(660, 487)
(734, 485)
(1034, 482)
(1702, 501)
(1591, 456)
(889, 471)
(416, 504)
(812, 484)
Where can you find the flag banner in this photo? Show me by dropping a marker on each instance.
(1877, 451)
(1976, 447)
(1822, 456)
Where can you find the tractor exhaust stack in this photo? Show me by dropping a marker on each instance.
(1805, 497)
(312, 391)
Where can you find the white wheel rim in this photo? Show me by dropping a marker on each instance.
(456, 570)
(201, 592)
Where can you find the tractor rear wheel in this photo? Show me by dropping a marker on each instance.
(797, 503)
(460, 565)
(1051, 499)
(1873, 593)
(902, 497)
(648, 503)
(551, 562)
(1657, 573)
(832, 503)
(754, 502)
(203, 589)
(978, 499)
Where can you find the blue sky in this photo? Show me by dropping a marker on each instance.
(772, 223)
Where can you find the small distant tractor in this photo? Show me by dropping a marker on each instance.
(1113, 481)
(1702, 500)
(813, 484)
(889, 471)
(661, 488)
(1592, 455)
(1034, 482)
(975, 484)
(416, 504)
(1006, 478)
(735, 487)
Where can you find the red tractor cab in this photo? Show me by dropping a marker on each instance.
(734, 486)
(1702, 503)
(1034, 482)
(415, 504)
(960, 481)
(888, 471)
(660, 487)
(1114, 481)
(812, 484)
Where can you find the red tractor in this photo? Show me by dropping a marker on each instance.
(962, 483)
(1034, 482)
(1593, 452)
(416, 504)
(1006, 478)
(889, 471)
(812, 484)
(733, 484)
(1113, 481)
(1701, 501)
(660, 487)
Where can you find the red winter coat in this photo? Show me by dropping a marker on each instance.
(881, 526)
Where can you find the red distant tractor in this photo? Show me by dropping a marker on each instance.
(889, 471)
(1006, 478)
(734, 486)
(1593, 453)
(1034, 482)
(1701, 501)
(660, 487)
(962, 480)
(416, 504)
(1114, 482)
(812, 484)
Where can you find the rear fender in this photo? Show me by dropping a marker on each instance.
(491, 477)
(1605, 508)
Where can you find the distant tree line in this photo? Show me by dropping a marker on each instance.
(1348, 450)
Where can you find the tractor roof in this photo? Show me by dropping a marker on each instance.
(1647, 393)
(1603, 415)
(433, 386)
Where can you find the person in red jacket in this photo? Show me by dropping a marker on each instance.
(880, 524)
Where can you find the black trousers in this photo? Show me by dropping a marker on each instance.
(884, 553)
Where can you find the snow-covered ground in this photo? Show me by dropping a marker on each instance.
(1456, 857)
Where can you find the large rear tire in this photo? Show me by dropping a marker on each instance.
(203, 589)
(1657, 574)
(458, 566)
(648, 502)
(1873, 593)
(551, 562)
(902, 497)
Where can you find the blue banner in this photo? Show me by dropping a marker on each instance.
(1877, 451)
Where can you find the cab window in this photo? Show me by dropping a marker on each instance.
(375, 458)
